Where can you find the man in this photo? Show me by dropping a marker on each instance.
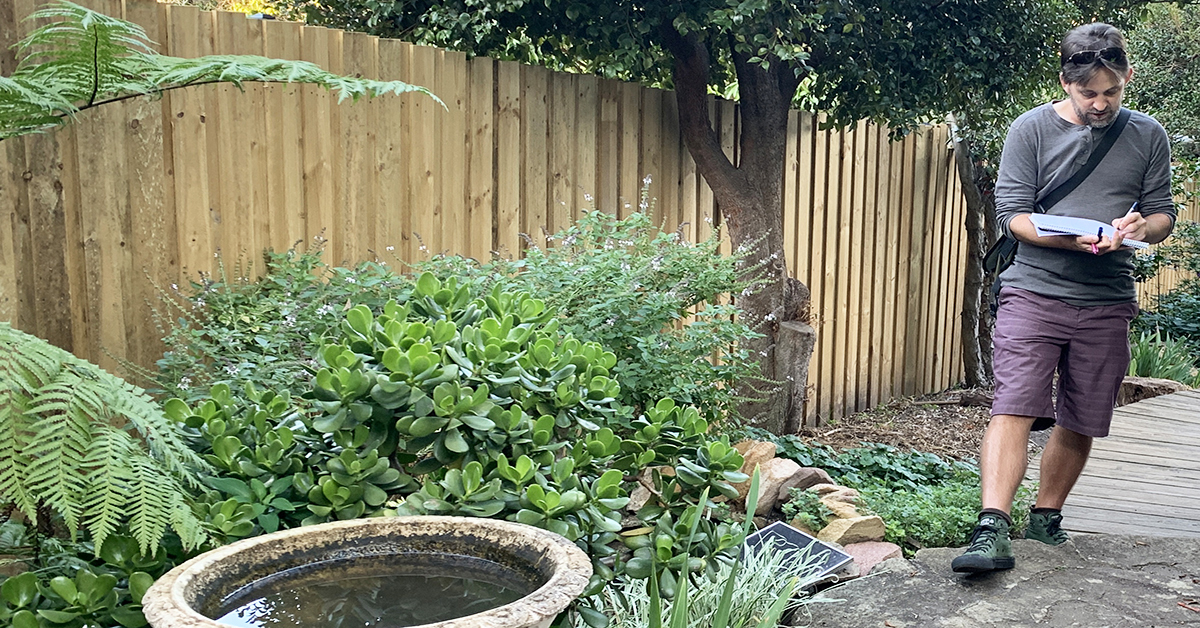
(1066, 301)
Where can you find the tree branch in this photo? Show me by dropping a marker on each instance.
(691, 75)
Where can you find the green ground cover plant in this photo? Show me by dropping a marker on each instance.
(757, 589)
(484, 406)
(232, 328)
(443, 402)
(321, 393)
(923, 499)
(806, 509)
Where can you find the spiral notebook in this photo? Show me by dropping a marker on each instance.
(1048, 225)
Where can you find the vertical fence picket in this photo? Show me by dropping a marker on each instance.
(562, 144)
(509, 143)
(587, 147)
(451, 229)
(608, 150)
(864, 189)
(392, 160)
(286, 208)
(535, 90)
(480, 207)
(651, 160)
(629, 171)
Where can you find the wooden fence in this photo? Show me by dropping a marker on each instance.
(139, 195)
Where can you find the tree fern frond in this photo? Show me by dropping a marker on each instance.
(60, 438)
(152, 504)
(83, 58)
(163, 437)
(65, 441)
(109, 487)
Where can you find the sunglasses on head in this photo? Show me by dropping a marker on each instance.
(1088, 57)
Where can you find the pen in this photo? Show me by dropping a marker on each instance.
(1099, 235)
(1131, 210)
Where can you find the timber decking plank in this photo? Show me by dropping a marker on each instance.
(1131, 489)
(1091, 520)
(1141, 508)
(1105, 467)
(1137, 480)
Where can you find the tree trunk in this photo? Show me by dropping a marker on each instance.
(750, 196)
(980, 227)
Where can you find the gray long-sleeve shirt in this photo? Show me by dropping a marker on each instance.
(1043, 150)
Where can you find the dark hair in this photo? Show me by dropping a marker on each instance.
(1094, 36)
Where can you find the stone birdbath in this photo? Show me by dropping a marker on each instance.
(433, 572)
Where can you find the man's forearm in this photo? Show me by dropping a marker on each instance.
(1023, 230)
(1158, 227)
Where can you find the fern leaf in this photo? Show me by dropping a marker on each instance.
(83, 58)
(164, 438)
(188, 526)
(60, 440)
(153, 501)
(108, 484)
(67, 440)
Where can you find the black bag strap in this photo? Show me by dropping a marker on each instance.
(1068, 186)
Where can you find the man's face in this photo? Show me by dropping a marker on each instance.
(1097, 101)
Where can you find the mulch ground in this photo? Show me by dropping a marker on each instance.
(949, 424)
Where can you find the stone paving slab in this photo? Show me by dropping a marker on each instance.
(1093, 581)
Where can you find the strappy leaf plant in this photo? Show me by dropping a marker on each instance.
(89, 447)
(82, 59)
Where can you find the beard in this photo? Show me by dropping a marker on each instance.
(1095, 119)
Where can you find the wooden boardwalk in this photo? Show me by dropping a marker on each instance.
(1144, 478)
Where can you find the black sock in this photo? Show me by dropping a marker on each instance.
(1045, 511)
(999, 513)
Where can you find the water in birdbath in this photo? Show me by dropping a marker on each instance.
(393, 591)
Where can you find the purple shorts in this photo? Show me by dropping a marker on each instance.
(1088, 347)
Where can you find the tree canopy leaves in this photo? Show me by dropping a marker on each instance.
(1165, 49)
(898, 61)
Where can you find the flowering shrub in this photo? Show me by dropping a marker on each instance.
(237, 329)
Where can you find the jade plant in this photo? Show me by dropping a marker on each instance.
(261, 478)
(483, 406)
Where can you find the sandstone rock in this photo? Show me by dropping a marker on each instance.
(856, 530)
(804, 478)
(840, 509)
(754, 453)
(845, 494)
(835, 492)
(772, 474)
(868, 554)
(638, 498)
(1135, 389)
